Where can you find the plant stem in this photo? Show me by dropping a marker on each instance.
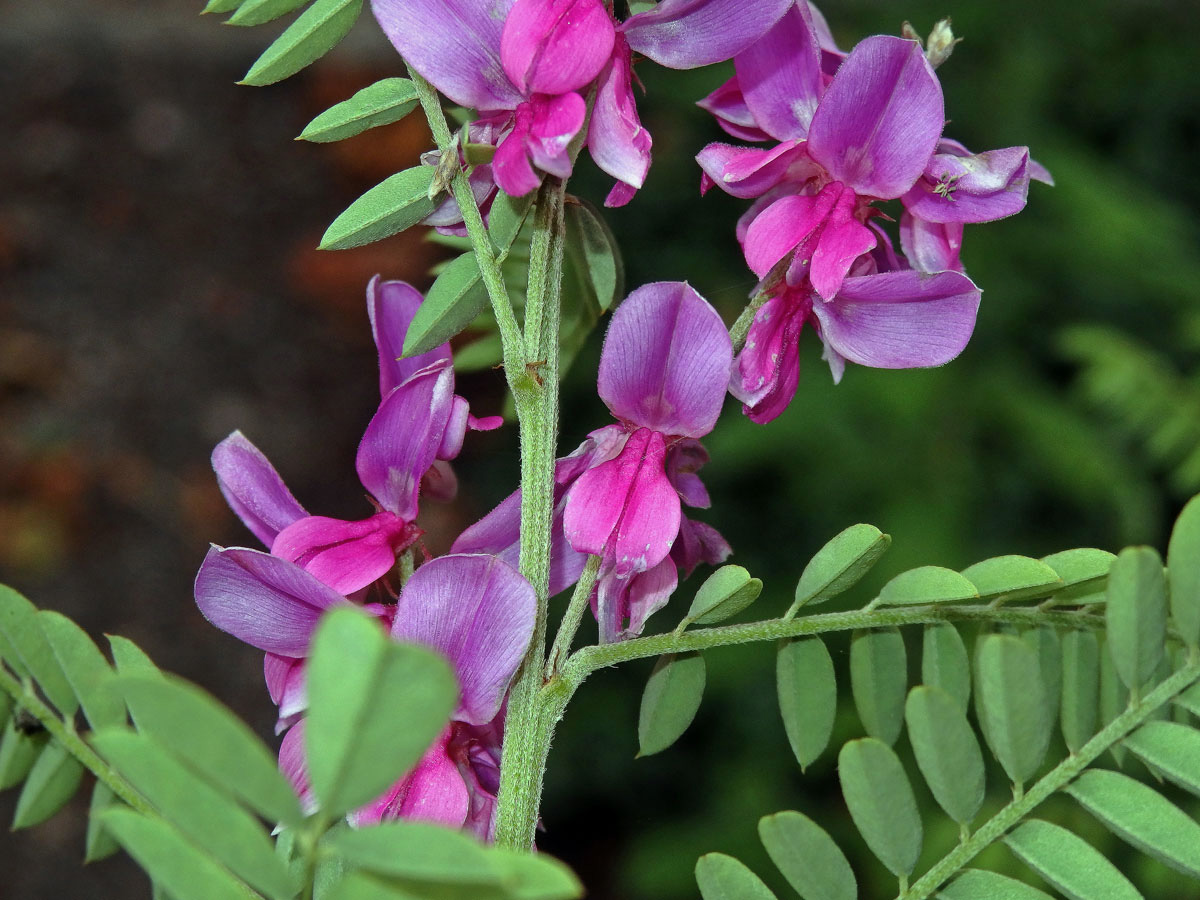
(73, 743)
(526, 733)
(573, 616)
(485, 254)
(741, 327)
(1056, 779)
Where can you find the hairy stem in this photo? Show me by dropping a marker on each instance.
(573, 616)
(1056, 779)
(741, 327)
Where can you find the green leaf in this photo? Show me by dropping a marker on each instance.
(381, 103)
(415, 851)
(455, 298)
(360, 684)
(807, 856)
(1141, 816)
(947, 751)
(52, 781)
(944, 662)
(722, 877)
(528, 876)
(1136, 614)
(86, 669)
(18, 752)
(1043, 641)
(1013, 705)
(19, 624)
(99, 844)
(258, 12)
(206, 815)
(726, 592)
(840, 564)
(220, 6)
(506, 217)
(593, 249)
(168, 858)
(130, 658)
(881, 803)
(807, 691)
(1183, 573)
(670, 701)
(1013, 578)
(976, 884)
(1069, 863)
(928, 584)
(1114, 699)
(879, 681)
(396, 203)
(1170, 749)
(1083, 572)
(308, 38)
(212, 740)
(1080, 687)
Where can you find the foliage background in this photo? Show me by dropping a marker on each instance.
(159, 288)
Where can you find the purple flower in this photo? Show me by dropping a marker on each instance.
(527, 66)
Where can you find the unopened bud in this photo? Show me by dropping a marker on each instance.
(941, 43)
(910, 34)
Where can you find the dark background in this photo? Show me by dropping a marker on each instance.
(159, 287)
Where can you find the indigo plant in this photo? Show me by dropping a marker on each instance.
(419, 688)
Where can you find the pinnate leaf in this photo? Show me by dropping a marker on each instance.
(1069, 863)
(977, 884)
(1012, 704)
(381, 103)
(1082, 571)
(456, 297)
(944, 662)
(722, 877)
(725, 593)
(947, 751)
(18, 752)
(396, 203)
(1080, 687)
(99, 844)
(807, 856)
(1183, 572)
(1013, 578)
(879, 681)
(52, 781)
(416, 851)
(308, 38)
(807, 689)
(928, 584)
(258, 12)
(841, 563)
(131, 659)
(85, 668)
(19, 625)
(1172, 750)
(881, 803)
(592, 249)
(1136, 615)
(670, 701)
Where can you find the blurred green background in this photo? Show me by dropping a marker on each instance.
(159, 287)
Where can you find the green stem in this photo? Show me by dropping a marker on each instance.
(73, 743)
(573, 616)
(527, 733)
(741, 327)
(1056, 779)
(485, 254)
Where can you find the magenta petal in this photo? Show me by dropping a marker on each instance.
(554, 123)
(403, 438)
(929, 246)
(981, 187)
(728, 106)
(391, 306)
(511, 166)
(780, 76)
(666, 360)
(295, 768)
(477, 611)
(768, 368)
(779, 229)
(261, 599)
(455, 44)
(616, 139)
(347, 556)
(900, 320)
(843, 240)
(285, 684)
(880, 118)
(631, 599)
(698, 543)
(685, 34)
(555, 46)
(439, 482)
(434, 791)
(747, 172)
(253, 489)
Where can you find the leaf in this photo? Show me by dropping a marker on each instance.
(1069, 863)
(168, 858)
(1183, 573)
(359, 685)
(1114, 698)
(99, 844)
(1013, 705)
(1170, 749)
(947, 751)
(593, 249)
(258, 12)
(529, 876)
(977, 884)
(506, 217)
(670, 701)
(308, 38)
(381, 103)
(18, 752)
(722, 877)
(807, 691)
(416, 851)
(1080, 687)
(220, 6)
(881, 803)
(19, 624)
(928, 584)
(130, 658)
(456, 297)
(726, 592)
(212, 740)
(840, 564)
(360, 886)
(807, 856)
(1141, 816)
(1043, 641)
(1083, 572)
(396, 203)
(879, 681)
(85, 668)
(52, 781)
(1136, 615)
(207, 816)
(1013, 578)
(944, 662)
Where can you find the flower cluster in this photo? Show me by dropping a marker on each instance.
(849, 130)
